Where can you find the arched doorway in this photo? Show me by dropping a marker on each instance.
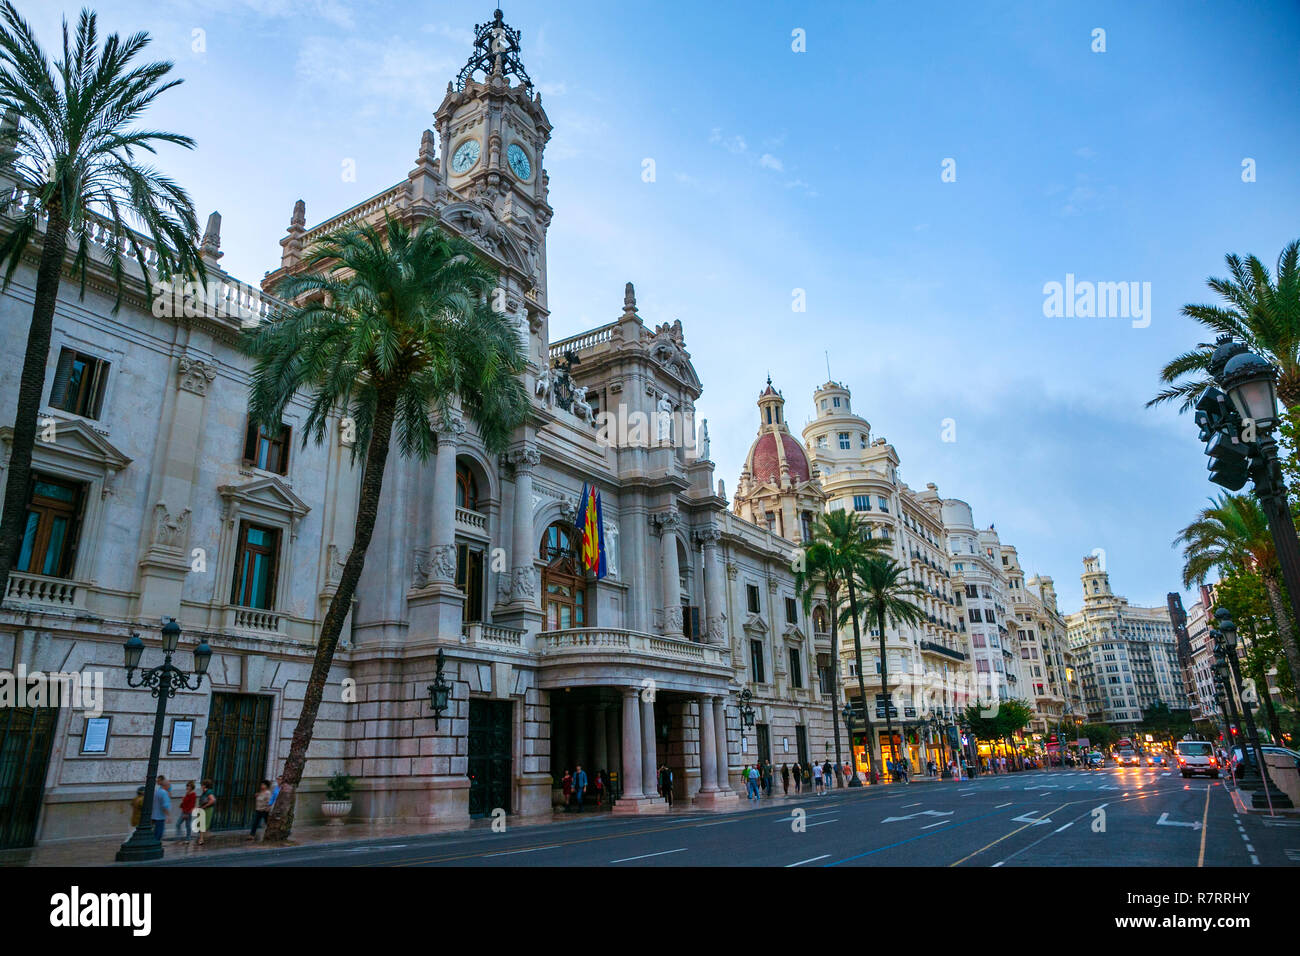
(564, 588)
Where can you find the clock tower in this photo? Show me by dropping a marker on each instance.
(492, 132)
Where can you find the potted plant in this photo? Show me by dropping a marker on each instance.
(338, 797)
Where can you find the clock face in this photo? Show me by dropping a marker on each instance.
(465, 157)
(519, 161)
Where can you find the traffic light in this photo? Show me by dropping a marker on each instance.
(1230, 457)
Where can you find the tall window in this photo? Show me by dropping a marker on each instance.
(466, 488)
(267, 450)
(50, 535)
(756, 662)
(862, 502)
(884, 503)
(751, 598)
(819, 619)
(562, 582)
(79, 382)
(806, 525)
(796, 668)
(255, 566)
(469, 578)
(844, 441)
(791, 611)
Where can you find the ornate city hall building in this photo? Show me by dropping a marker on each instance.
(154, 498)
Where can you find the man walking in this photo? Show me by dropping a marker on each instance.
(752, 783)
(817, 779)
(579, 786)
(162, 805)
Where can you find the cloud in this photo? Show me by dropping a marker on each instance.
(768, 161)
(733, 144)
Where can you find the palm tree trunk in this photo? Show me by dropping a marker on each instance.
(281, 821)
(835, 676)
(1282, 620)
(1270, 714)
(884, 687)
(862, 683)
(30, 386)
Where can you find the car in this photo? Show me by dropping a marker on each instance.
(1095, 761)
(1158, 760)
(1197, 756)
(1128, 758)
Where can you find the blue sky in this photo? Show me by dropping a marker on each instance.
(820, 171)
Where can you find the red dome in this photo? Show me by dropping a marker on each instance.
(764, 464)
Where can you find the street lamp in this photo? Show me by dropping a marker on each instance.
(439, 690)
(1225, 635)
(163, 681)
(847, 714)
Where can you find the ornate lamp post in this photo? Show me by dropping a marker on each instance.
(439, 690)
(1225, 640)
(163, 682)
(847, 714)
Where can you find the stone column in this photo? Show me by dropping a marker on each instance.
(580, 751)
(632, 743)
(611, 741)
(441, 564)
(708, 747)
(523, 576)
(559, 737)
(600, 751)
(649, 759)
(720, 730)
(671, 596)
(715, 601)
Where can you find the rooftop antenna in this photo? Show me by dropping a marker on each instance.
(828, 366)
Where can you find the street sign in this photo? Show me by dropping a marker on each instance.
(1083, 742)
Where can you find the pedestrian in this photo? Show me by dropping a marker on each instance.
(566, 784)
(807, 776)
(162, 805)
(137, 808)
(769, 773)
(186, 818)
(666, 783)
(579, 785)
(849, 774)
(751, 778)
(827, 774)
(600, 789)
(275, 791)
(203, 813)
(929, 768)
(798, 778)
(261, 807)
(785, 779)
(817, 779)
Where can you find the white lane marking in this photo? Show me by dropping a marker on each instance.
(1164, 821)
(1001, 805)
(528, 850)
(1249, 848)
(998, 863)
(700, 826)
(645, 856)
(920, 813)
(1254, 860)
(906, 805)
(820, 822)
(1066, 827)
(1026, 818)
(811, 859)
(939, 824)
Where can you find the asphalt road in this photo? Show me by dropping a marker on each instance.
(1115, 817)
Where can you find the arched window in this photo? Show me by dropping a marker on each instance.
(819, 619)
(466, 488)
(563, 585)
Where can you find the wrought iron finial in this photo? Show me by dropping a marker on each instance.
(496, 49)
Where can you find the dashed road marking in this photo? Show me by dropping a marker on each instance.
(646, 856)
(812, 859)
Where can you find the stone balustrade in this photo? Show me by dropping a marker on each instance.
(480, 632)
(472, 521)
(254, 620)
(37, 589)
(616, 640)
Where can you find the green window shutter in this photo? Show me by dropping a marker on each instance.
(62, 372)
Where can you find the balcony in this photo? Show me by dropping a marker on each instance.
(940, 649)
(471, 521)
(41, 591)
(600, 656)
(253, 620)
(480, 633)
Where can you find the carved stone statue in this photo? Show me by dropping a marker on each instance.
(664, 419)
(704, 440)
(543, 389)
(580, 408)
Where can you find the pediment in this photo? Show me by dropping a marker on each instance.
(755, 624)
(793, 633)
(75, 440)
(268, 492)
(480, 225)
(674, 359)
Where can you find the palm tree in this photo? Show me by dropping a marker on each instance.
(68, 151)
(390, 326)
(1233, 535)
(885, 598)
(839, 543)
(1263, 312)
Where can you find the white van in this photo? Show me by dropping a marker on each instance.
(1197, 756)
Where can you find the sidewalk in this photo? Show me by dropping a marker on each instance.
(100, 851)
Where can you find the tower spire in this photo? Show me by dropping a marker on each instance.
(496, 50)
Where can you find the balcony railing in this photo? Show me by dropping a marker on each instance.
(254, 620)
(45, 591)
(480, 632)
(934, 648)
(603, 640)
(472, 521)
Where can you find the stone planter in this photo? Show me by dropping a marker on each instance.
(336, 811)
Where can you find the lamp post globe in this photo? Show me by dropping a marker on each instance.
(1251, 384)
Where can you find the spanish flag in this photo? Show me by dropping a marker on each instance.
(591, 532)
